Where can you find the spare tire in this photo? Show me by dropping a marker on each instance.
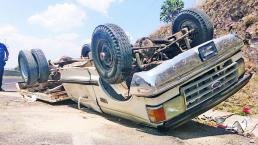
(42, 65)
(197, 20)
(28, 67)
(111, 53)
(85, 50)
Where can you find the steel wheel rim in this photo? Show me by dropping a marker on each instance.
(190, 26)
(105, 56)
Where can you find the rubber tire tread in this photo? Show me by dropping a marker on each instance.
(31, 66)
(42, 64)
(85, 49)
(122, 50)
(204, 21)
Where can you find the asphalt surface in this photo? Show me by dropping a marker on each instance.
(40, 123)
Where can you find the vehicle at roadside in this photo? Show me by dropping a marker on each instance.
(158, 82)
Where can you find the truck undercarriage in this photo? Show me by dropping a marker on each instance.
(158, 82)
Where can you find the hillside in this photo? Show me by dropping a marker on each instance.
(239, 17)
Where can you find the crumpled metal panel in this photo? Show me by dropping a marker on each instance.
(174, 71)
(87, 75)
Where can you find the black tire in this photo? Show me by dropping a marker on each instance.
(85, 50)
(111, 53)
(28, 67)
(42, 65)
(194, 19)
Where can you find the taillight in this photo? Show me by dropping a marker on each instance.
(156, 114)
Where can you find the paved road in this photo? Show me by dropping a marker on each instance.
(39, 123)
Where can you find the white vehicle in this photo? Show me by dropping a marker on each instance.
(160, 83)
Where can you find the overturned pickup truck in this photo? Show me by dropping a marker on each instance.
(157, 82)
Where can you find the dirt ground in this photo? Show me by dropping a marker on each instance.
(246, 97)
(40, 123)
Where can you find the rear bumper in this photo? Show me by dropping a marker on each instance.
(208, 104)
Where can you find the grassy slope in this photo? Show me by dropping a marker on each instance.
(240, 17)
(248, 96)
(218, 10)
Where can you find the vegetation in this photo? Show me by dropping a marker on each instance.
(170, 9)
(239, 17)
(11, 73)
(246, 97)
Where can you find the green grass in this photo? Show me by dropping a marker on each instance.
(12, 77)
(11, 73)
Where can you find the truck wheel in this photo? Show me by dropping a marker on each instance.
(197, 20)
(28, 67)
(42, 65)
(85, 50)
(111, 53)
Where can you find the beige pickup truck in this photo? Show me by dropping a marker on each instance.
(161, 82)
